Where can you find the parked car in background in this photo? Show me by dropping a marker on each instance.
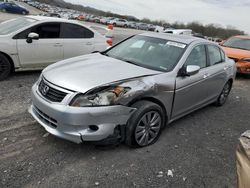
(11, 7)
(106, 20)
(132, 25)
(50, 15)
(142, 26)
(238, 49)
(131, 91)
(151, 27)
(119, 22)
(33, 42)
(159, 29)
(179, 31)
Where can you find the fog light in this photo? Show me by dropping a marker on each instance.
(93, 128)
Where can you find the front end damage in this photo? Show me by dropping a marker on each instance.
(100, 124)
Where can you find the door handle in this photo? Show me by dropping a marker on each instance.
(89, 43)
(226, 67)
(58, 45)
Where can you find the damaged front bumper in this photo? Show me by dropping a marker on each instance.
(78, 124)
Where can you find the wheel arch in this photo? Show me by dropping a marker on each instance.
(10, 60)
(154, 100)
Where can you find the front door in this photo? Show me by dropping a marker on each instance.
(46, 50)
(192, 91)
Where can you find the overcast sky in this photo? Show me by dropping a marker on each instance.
(224, 12)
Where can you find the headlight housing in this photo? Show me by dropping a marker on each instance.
(105, 97)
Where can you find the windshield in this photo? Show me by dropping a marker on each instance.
(14, 25)
(149, 52)
(239, 43)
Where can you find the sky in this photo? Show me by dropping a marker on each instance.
(223, 12)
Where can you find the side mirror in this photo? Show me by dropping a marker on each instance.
(31, 37)
(189, 70)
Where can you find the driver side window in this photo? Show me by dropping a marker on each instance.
(197, 57)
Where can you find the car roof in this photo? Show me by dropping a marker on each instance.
(55, 19)
(186, 39)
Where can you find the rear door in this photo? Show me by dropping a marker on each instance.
(40, 53)
(216, 72)
(77, 40)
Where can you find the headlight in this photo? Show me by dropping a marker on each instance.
(246, 59)
(106, 97)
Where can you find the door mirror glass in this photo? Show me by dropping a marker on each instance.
(192, 69)
(31, 37)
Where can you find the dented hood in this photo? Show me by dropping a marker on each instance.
(86, 72)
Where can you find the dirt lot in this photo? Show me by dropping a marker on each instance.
(199, 149)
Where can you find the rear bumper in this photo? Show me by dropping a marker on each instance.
(73, 123)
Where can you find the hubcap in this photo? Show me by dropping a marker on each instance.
(225, 93)
(148, 128)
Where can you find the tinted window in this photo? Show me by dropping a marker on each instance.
(214, 55)
(197, 57)
(75, 31)
(48, 31)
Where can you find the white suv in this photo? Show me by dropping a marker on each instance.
(33, 42)
(119, 22)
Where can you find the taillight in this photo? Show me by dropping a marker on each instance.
(109, 42)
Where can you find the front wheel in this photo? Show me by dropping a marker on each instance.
(145, 125)
(224, 94)
(5, 67)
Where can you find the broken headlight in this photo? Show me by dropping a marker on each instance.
(106, 97)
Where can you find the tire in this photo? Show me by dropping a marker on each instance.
(224, 94)
(5, 67)
(3, 10)
(24, 13)
(141, 133)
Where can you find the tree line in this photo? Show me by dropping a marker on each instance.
(210, 30)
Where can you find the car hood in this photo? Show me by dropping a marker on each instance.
(236, 53)
(89, 71)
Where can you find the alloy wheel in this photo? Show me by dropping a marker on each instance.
(148, 128)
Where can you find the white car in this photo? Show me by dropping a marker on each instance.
(179, 31)
(119, 22)
(33, 42)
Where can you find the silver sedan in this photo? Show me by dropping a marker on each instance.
(131, 91)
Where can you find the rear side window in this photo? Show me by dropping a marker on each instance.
(223, 56)
(214, 54)
(72, 31)
(197, 57)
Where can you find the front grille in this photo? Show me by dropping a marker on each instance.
(45, 118)
(51, 93)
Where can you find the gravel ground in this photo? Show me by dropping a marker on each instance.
(198, 150)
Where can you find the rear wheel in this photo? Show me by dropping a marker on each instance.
(145, 125)
(5, 67)
(24, 13)
(224, 94)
